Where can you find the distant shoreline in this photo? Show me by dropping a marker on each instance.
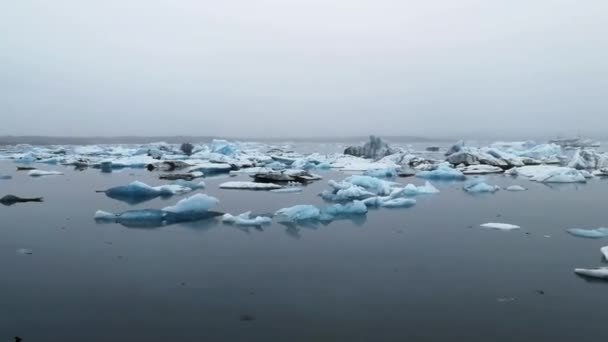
(52, 140)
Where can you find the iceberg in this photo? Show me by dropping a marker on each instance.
(588, 159)
(599, 272)
(194, 185)
(223, 147)
(245, 219)
(249, 186)
(515, 188)
(589, 233)
(302, 212)
(41, 173)
(345, 192)
(388, 202)
(500, 226)
(442, 172)
(604, 251)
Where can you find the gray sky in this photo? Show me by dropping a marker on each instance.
(303, 68)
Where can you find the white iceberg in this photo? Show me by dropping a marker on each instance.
(41, 173)
(389, 202)
(604, 251)
(515, 188)
(597, 233)
(352, 208)
(371, 184)
(500, 226)
(549, 174)
(245, 219)
(249, 186)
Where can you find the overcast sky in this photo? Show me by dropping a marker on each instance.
(303, 68)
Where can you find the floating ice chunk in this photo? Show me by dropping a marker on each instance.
(500, 226)
(198, 202)
(600, 272)
(389, 172)
(442, 172)
(41, 173)
(302, 212)
(276, 165)
(481, 187)
(372, 184)
(585, 173)
(515, 188)
(137, 191)
(249, 186)
(480, 169)
(352, 208)
(25, 251)
(288, 190)
(589, 233)
(245, 219)
(346, 192)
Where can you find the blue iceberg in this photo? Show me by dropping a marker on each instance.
(442, 172)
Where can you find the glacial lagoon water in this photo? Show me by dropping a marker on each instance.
(426, 273)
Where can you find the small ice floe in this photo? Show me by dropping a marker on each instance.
(249, 186)
(599, 272)
(442, 172)
(515, 188)
(182, 176)
(245, 219)
(345, 191)
(210, 168)
(500, 226)
(352, 208)
(597, 233)
(302, 212)
(413, 190)
(480, 169)
(137, 192)
(25, 251)
(41, 173)
(288, 190)
(479, 186)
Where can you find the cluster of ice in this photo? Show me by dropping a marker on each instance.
(249, 186)
(373, 149)
(310, 213)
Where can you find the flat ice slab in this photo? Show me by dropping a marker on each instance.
(40, 173)
(249, 186)
(500, 226)
(597, 233)
(515, 188)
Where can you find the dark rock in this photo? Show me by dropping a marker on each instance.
(432, 149)
(187, 148)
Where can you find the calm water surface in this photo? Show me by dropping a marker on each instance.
(426, 273)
